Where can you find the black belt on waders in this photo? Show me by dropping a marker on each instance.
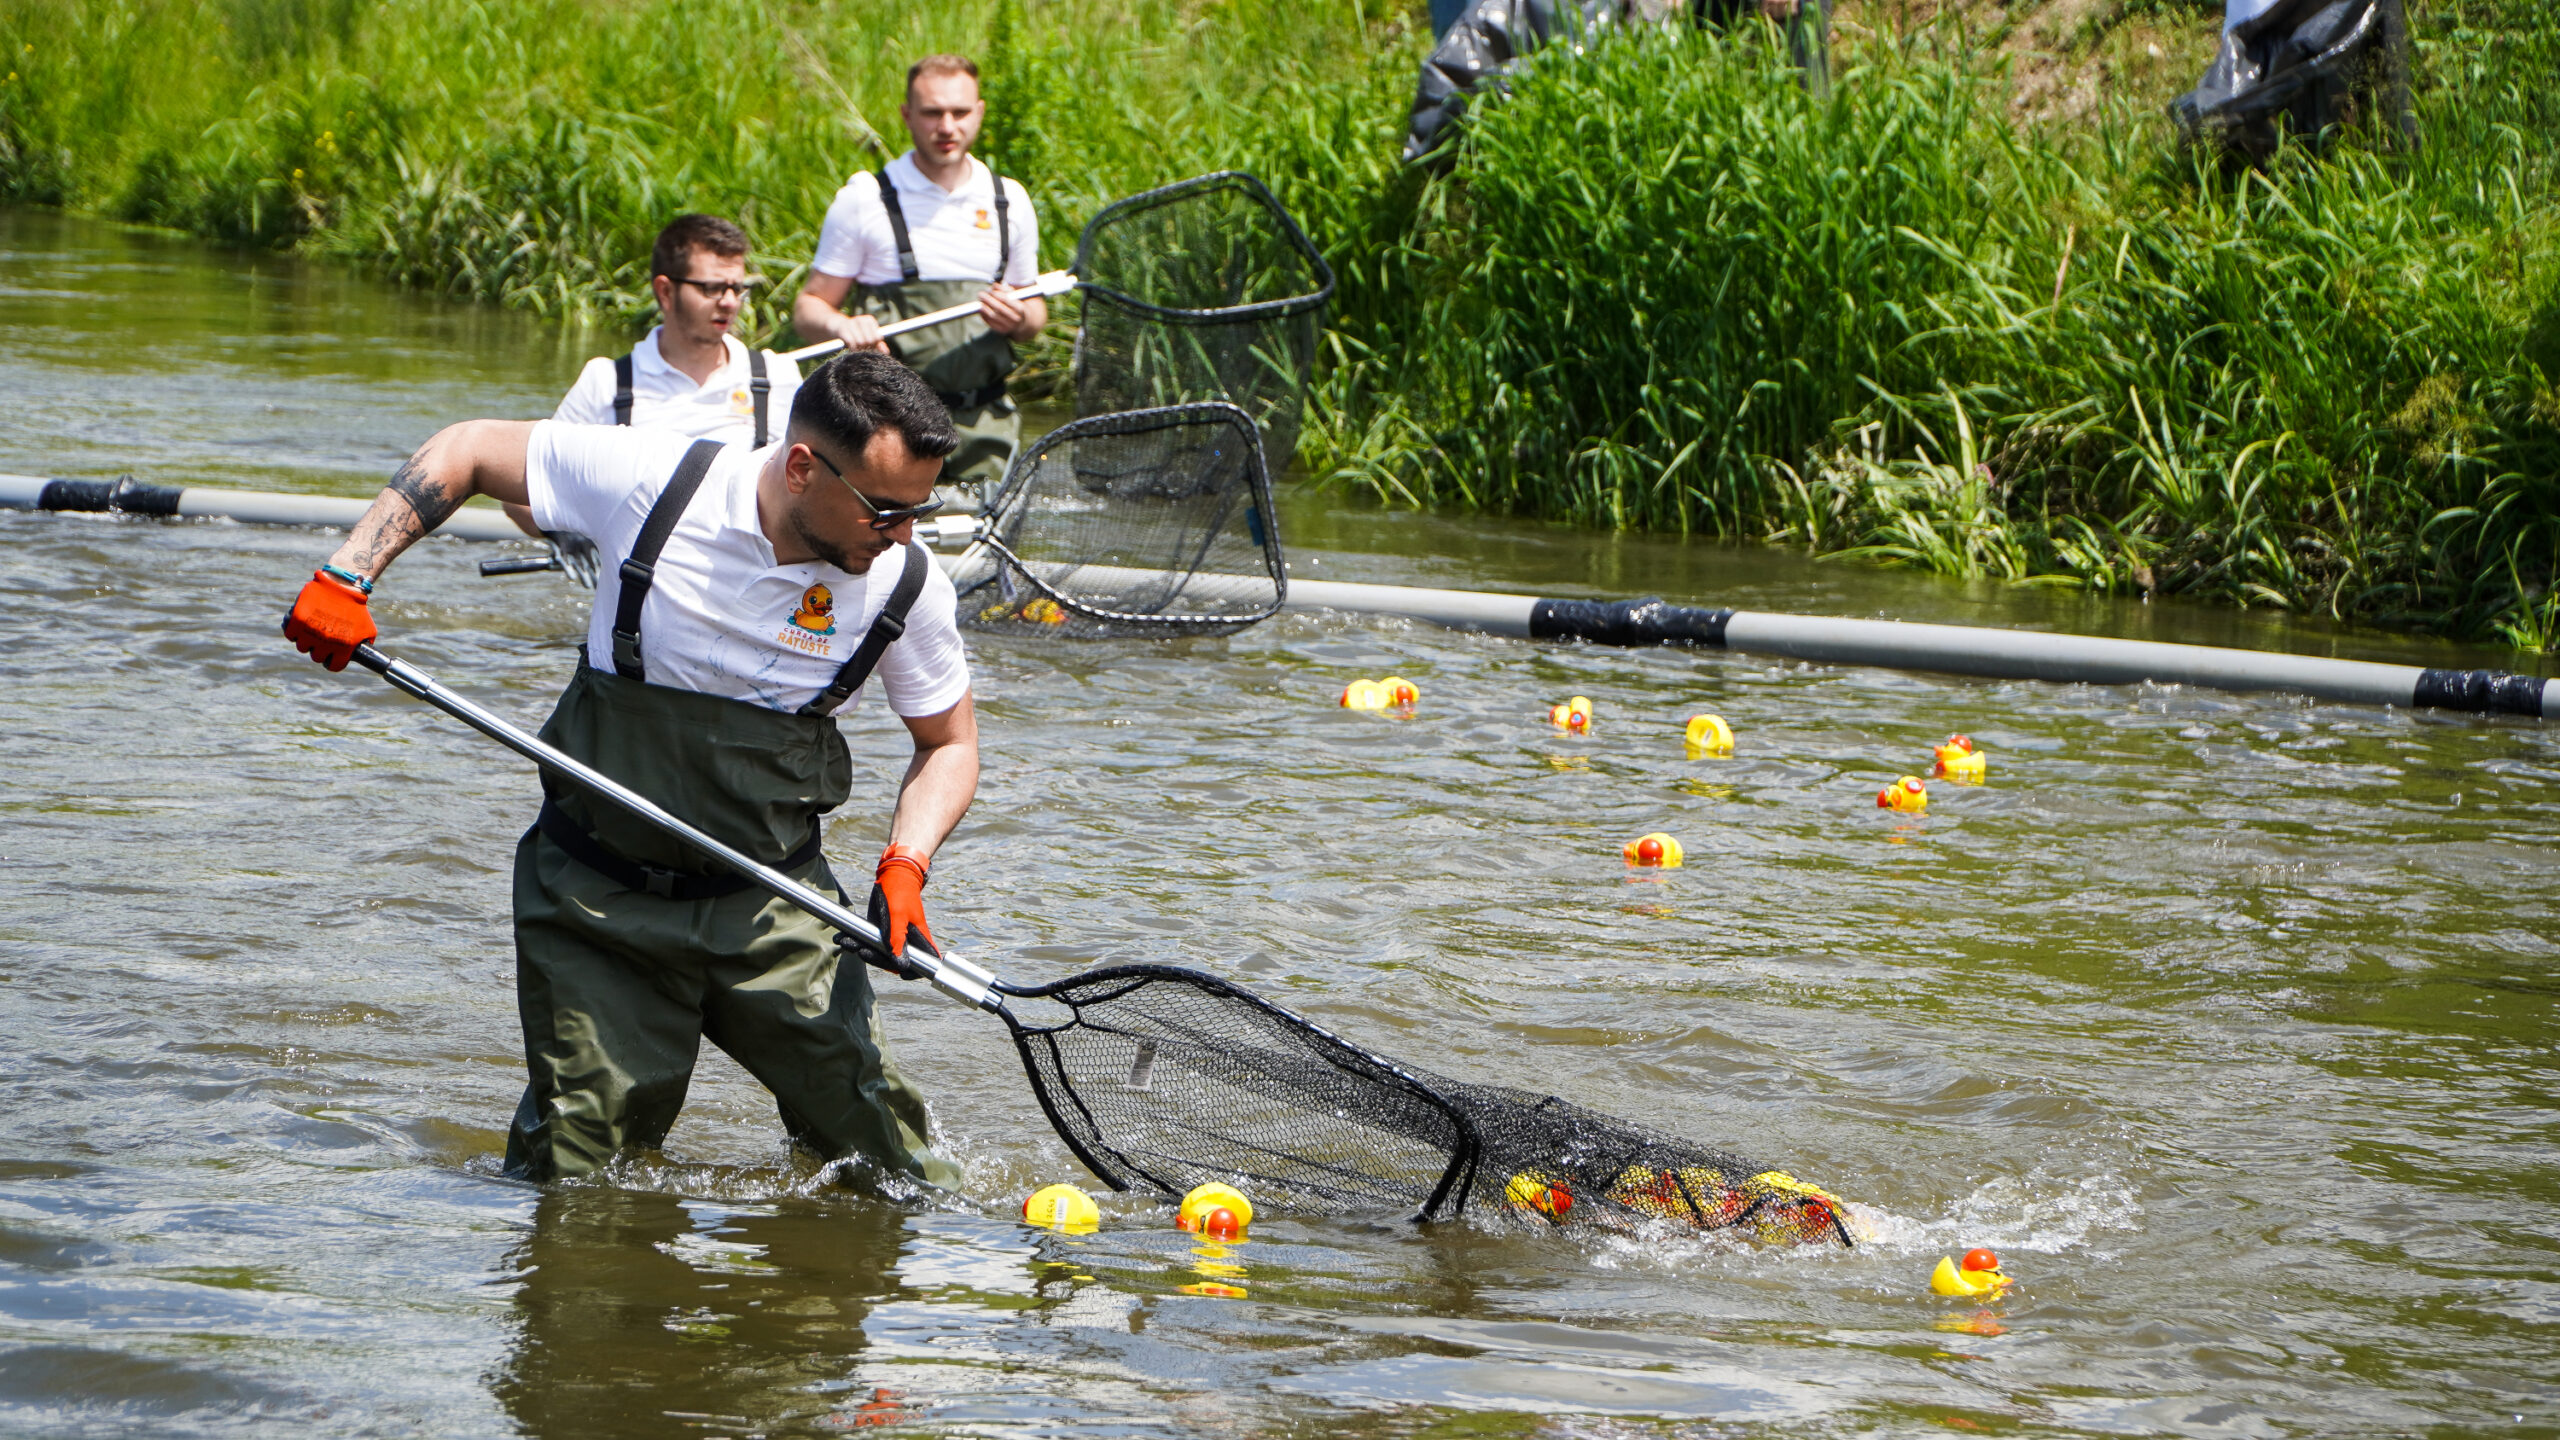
(757, 382)
(975, 397)
(638, 573)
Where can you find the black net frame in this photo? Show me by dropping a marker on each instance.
(1163, 1077)
(1146, 522)
(1205, 289)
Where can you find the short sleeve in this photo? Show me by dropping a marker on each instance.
(585, 478)
(841, 247)
(927, 671)
(1023, 266)
(590, 400)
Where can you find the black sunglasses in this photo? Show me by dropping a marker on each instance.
(884, 518)
(714, 289)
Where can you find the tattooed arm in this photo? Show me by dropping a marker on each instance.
(477, 457)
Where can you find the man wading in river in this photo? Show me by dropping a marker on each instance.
(747, 595)
(931, 229)
(688, 376)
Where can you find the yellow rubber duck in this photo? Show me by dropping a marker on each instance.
(1541, 1195)
(1960, 762)
(1654, 849)
(1574, 715)
(1709, 735)
(1978, 1275)
(1365, 695)
(1064, 1208)
(1215, 1209)
(1906, 794)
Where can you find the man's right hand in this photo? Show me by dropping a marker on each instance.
(861, 332)
(329, 620)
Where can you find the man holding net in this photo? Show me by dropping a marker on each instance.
(932, 229)
(748, 595)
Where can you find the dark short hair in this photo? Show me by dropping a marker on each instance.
(859, 394)
(939, 65)
(688, 233)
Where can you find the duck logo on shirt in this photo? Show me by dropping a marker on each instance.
(984, 223)
(817, 613)
(741, 403)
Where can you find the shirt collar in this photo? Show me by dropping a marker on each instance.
(647, 356)
(907, 175)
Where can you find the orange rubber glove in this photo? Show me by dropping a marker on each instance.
(329, 620)
(897, 900)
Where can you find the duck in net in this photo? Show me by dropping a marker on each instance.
(1201, 290)
(1162, 1078)
(1150, 522)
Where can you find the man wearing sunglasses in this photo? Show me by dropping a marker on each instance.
(747, 597)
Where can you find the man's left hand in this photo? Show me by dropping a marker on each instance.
(1004, 315)
(897, 901)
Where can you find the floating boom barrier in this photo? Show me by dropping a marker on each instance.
(1885, 644)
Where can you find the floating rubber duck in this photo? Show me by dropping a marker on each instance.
(1709, 735)
(1960, 762)
(1044, 611)
(1392, 692)
(1785, 1209)
(1540, 1195)
(1573, 715)
(1654, 849)
(1062, 1208)
(1223, 1206)
(1906, 793)
(1978, 1275)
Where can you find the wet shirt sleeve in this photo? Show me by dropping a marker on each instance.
(598, 480)
(846, 246)
(590, 401)
(927, 671)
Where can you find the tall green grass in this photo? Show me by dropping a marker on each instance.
(1665, 287)
(1659, 284)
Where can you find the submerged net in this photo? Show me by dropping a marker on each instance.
(1202, 290)
(1153, 522)
(1162, 1078)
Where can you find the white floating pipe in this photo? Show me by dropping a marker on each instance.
(1947, 649)
(128, 496)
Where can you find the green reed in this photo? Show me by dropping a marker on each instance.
(1663, 286)
(1658, 285)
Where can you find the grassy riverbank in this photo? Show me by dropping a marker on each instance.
(1973, 314)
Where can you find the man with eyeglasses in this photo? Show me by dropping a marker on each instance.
(688, 376)
(748, 596)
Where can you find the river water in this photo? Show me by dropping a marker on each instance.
(2227, 1021)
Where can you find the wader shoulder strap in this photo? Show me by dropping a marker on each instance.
(907, 271)
(763, 387)
(876, 640)
(1004, 231)
(640, 569)
(622, 389)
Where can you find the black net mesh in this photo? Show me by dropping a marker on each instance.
(1153, 522)
(1203, 290)
(1163, 1078)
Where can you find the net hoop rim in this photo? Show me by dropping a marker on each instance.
(1215, 179)
(1455, 1182)
(1129, 422)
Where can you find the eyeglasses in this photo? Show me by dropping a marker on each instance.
(884, 518)
(714, 289)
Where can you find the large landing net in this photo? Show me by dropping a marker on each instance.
(1202, 290)
(1151, 522)
(1164, 1078)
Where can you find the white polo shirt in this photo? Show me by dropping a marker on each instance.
(722, 617)
(953, 231)
(663, 397)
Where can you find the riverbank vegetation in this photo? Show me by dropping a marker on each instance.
(1972, 312)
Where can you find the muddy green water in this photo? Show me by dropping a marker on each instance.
(2227, 1021)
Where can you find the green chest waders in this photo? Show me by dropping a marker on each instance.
(630, 950)
(965, 362)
